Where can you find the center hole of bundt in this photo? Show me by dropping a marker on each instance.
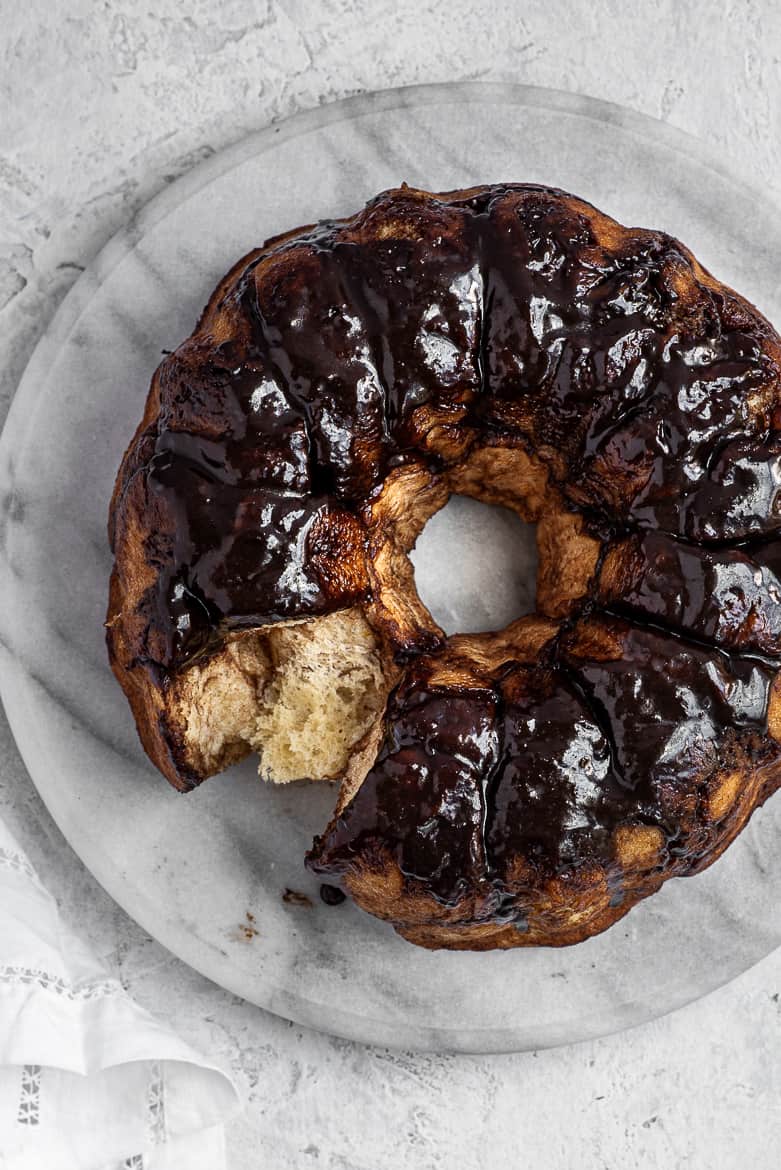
(475, 566)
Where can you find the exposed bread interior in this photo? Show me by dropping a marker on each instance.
(301, 695)
(327, 688)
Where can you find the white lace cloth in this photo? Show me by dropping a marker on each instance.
(88, 1079)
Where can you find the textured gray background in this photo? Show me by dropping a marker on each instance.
(101, 105)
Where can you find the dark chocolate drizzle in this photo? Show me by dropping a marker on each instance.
(728, 596)
(426, 792)
(503, 314)
(546, 764)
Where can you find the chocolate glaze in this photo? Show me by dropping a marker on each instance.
(730, 596)
(666, 703)
(652, 395)
(501, 313)
(555, 795)
(549, 762)
(424, 799)
(693, 454)
(248, 556)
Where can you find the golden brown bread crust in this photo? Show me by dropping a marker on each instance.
(612, 412)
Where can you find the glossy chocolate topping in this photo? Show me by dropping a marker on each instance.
(549, 761)
(501, 313)
(425, 797)
(421, 330)
(728, 596)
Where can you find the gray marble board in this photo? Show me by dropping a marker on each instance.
(191, 869)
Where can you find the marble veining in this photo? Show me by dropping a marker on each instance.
(190, 869)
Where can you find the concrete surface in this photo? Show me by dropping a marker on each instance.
(100, 105)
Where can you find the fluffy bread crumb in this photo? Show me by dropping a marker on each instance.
(301, 695)
(220, 701)
(326, 690)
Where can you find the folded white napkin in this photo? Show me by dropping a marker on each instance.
(88, 1080)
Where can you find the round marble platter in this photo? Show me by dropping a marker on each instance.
(205, 874)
